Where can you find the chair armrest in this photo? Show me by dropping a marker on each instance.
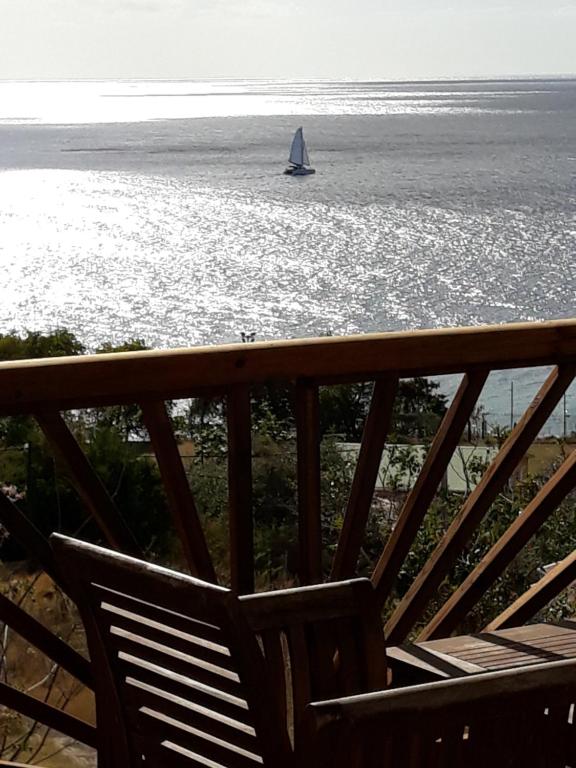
(339, 731)
(554, 677)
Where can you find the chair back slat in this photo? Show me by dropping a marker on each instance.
(274, 646)
(207, 652)
(183, 687)
(199, 692)
(158, 615)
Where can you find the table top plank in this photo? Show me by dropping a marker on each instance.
(469, 654)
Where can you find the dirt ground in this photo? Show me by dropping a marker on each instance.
(28, 669)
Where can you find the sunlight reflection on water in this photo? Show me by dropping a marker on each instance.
(116, 255)
(433, 205)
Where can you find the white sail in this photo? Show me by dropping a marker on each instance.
(298, 151)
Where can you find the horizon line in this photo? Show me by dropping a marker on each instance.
(223, 78)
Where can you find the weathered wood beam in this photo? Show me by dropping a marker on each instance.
(38, 710)
(66, 383)
(433, 470)
(47, 642)
(374, 435)
(241, 524)
(477, 504)
(503, 552)
(177, 488)
(308, 459)
(538, 596)
(87, 483)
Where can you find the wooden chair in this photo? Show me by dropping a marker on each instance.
(182, 680)
(158, 638)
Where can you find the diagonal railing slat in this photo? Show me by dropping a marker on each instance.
(374, 435)
(47, 642)
(414, 603)
(503, 552)
(308, 460)
(241, 523)
(87, 483)
(430, 477)
(538, 596)
(177, 488)
(41, 712)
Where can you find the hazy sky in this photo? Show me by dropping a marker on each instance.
(285, 38)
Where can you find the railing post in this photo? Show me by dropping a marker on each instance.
(240, 489)
(308, 450)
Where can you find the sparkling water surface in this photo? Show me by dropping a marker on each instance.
(159, 210)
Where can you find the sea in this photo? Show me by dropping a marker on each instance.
(159, 210)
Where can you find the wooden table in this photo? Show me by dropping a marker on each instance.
(470, 654)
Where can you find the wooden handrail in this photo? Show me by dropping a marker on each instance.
(65, 383)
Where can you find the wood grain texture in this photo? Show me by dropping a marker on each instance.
(177, 488)
(477, 504)
(538, 596)
(374, 435)
(486, 651)
(60, 384)
(241, 524)
(141, 663)
(497, 718)
(430, 477)
(318, 602)
(308, 461)
(533, 517)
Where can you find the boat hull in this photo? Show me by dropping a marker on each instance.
(299, 171)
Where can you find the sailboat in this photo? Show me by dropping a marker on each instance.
(299, 160)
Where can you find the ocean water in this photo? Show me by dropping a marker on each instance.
(159, 210)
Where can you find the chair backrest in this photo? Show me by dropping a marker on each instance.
(319, 642)
(180, 678)
(516, 718)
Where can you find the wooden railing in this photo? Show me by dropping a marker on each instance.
(48, 388)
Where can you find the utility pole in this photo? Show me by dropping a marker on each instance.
(565, 417)
(511, 405)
